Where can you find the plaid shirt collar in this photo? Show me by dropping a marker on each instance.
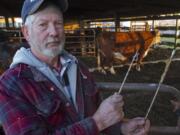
(66, 60)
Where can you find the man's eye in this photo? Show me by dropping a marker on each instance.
(59, 24)
(42, 24)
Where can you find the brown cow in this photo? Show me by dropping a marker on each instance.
(122, 46)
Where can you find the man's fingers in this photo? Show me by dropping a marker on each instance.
(116, 98)
(139, 121)
(109, 112)
(175, 104)
(139, 132)
(147, 125)
(136, 126)
(143, 126)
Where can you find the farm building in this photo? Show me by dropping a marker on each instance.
(151, 28)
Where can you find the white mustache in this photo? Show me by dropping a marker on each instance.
(52, 42)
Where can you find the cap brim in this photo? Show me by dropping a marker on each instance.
(36, 6)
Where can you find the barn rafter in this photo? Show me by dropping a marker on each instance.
(103, 8)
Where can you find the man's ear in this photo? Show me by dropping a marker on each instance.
(25, 32)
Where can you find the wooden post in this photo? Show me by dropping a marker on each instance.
(131, 29)
(117, 23)
(98, 55)
(175, 45)
(82, 39)
(13, 22)
(7, 22)
(152, 25)
(176, 36)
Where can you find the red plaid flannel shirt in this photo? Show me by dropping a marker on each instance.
(30, 104)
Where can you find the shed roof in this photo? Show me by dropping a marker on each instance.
(92, 9)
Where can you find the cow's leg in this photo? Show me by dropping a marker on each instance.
(119, 56)
(103, 70)
(138, 67)
(139, 63)
(141, 51)
(112, 71)
(102, 67)
(140, 59)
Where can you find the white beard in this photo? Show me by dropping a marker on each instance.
(54, 53)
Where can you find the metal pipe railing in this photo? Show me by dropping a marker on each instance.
(146, 87)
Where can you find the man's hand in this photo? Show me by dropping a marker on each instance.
(109, 112)
(176, 105)
(136, 126)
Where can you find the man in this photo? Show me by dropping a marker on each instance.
(47, 91)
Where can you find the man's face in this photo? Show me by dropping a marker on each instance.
(46, 34)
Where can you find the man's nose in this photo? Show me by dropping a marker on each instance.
(52, 30)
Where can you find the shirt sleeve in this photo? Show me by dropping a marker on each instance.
(85, 127)
(113, 130)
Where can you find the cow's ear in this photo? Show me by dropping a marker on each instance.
(25, 32)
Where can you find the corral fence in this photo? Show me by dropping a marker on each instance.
(138, 95)
(81, 42)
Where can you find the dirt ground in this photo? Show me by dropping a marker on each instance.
(136, 104)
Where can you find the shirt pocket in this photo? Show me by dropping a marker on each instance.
(48, 106)
(89, 88)
(90, 91)
(91, 98)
